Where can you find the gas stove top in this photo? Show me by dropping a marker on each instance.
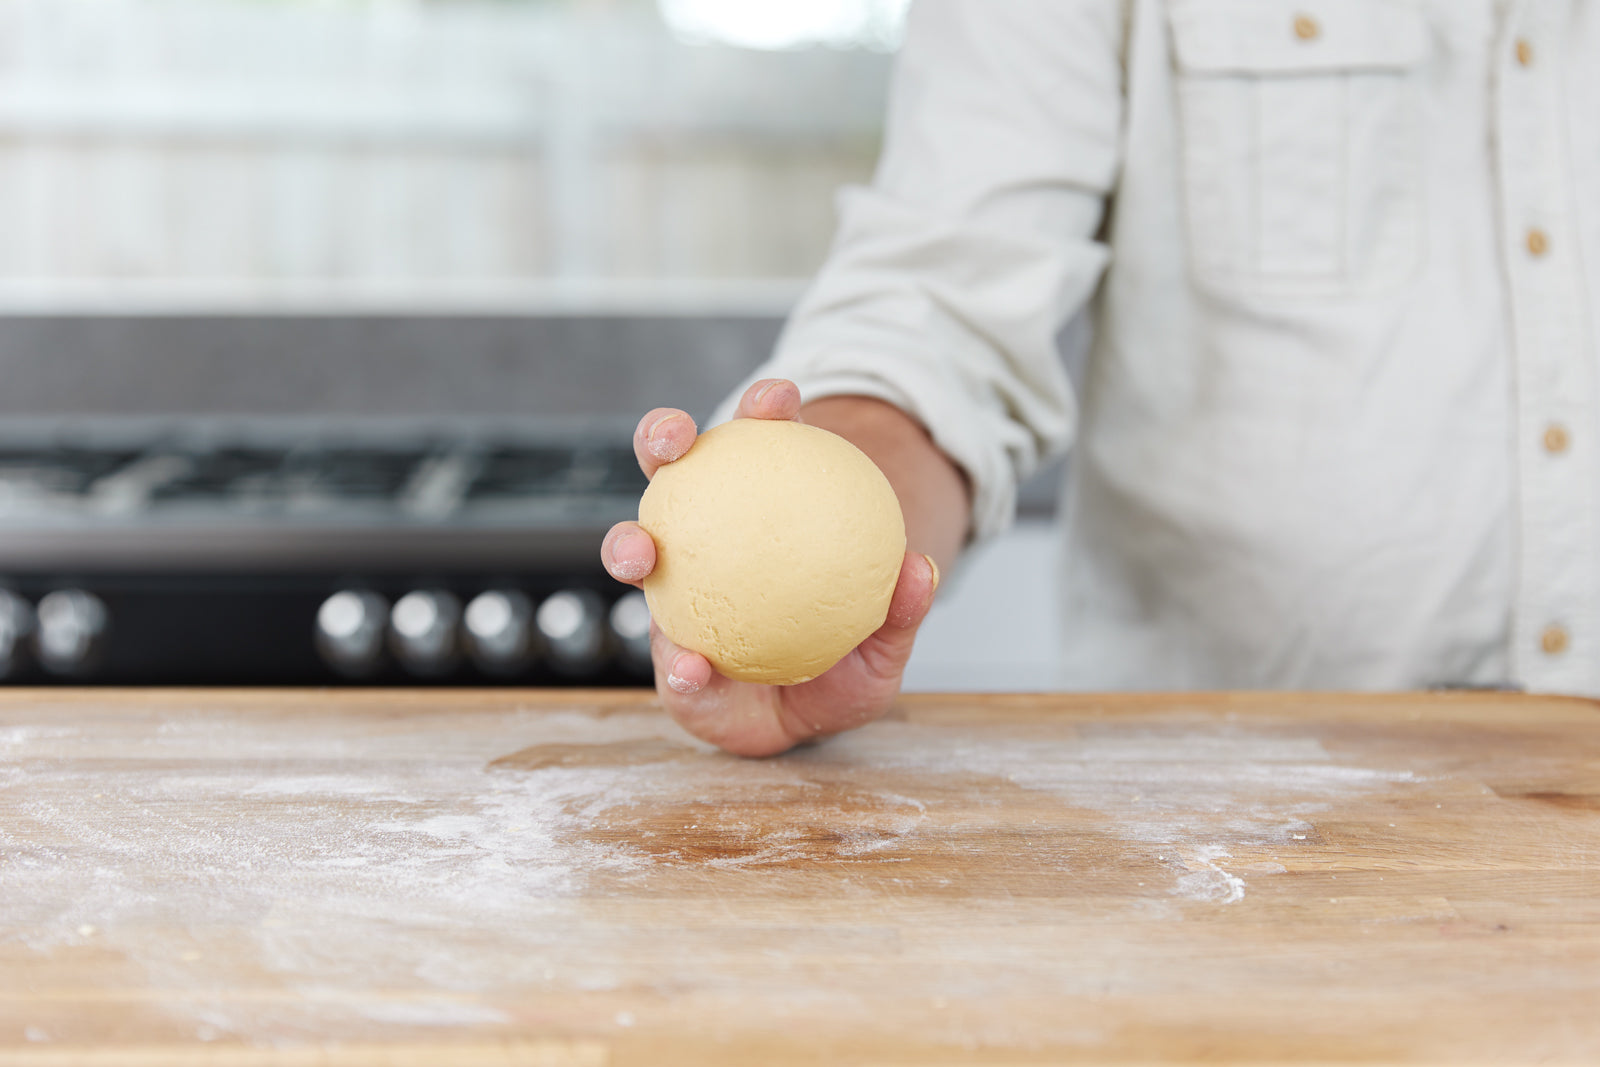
(281, 495)
(295, 552)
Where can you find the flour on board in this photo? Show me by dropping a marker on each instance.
(344, 857)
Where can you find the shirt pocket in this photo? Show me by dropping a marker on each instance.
(1300, 143)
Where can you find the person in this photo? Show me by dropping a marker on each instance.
(1339, 425)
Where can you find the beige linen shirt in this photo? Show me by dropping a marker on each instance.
(1339, 425)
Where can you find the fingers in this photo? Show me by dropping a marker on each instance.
(677, 669)
(885, 653)
(770, 398)
(665, 434)
(662, 436)
(628, 553)
(687, 673)
(735, 716)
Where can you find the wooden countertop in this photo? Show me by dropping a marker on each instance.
(517, 877)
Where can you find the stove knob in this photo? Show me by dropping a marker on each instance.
(72, 627)
(422, 630)
(498, 631)
(630, 622)
(349, 631)
(16, 623)
(572, 623)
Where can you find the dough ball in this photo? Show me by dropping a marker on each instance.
(778, 546)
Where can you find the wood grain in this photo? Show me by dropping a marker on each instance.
(405, 877)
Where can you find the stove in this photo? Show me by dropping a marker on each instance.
(285, 551)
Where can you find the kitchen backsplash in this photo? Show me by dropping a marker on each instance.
(278, 143)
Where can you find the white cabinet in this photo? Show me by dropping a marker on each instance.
(994, 626)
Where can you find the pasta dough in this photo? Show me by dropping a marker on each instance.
(778, 547)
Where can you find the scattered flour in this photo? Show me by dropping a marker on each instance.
(377, 882)
(1160, 787)
(1211, 883)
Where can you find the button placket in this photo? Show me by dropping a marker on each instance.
(1553, 366)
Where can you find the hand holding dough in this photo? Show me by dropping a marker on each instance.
(778, 549)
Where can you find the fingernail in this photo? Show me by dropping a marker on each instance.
(678, 682)
(662, 449)
(630, 570)
(933, 570)
(763, 391)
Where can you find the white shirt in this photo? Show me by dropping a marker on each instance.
(1339, 426)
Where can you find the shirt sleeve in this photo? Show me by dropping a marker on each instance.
(952, 273)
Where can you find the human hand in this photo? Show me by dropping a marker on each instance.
(743, 717)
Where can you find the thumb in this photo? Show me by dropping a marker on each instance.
(885, 652)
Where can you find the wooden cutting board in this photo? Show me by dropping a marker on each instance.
(564, 878)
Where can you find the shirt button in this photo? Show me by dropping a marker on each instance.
(1524, 52)
(1556, 439)
(1306, 28)
(1554, 640)
(1538, 242)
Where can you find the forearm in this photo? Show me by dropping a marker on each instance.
(933, 491)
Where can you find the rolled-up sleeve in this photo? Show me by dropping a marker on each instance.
(952, 273)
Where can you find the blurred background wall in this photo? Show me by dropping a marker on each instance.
(254, 145)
